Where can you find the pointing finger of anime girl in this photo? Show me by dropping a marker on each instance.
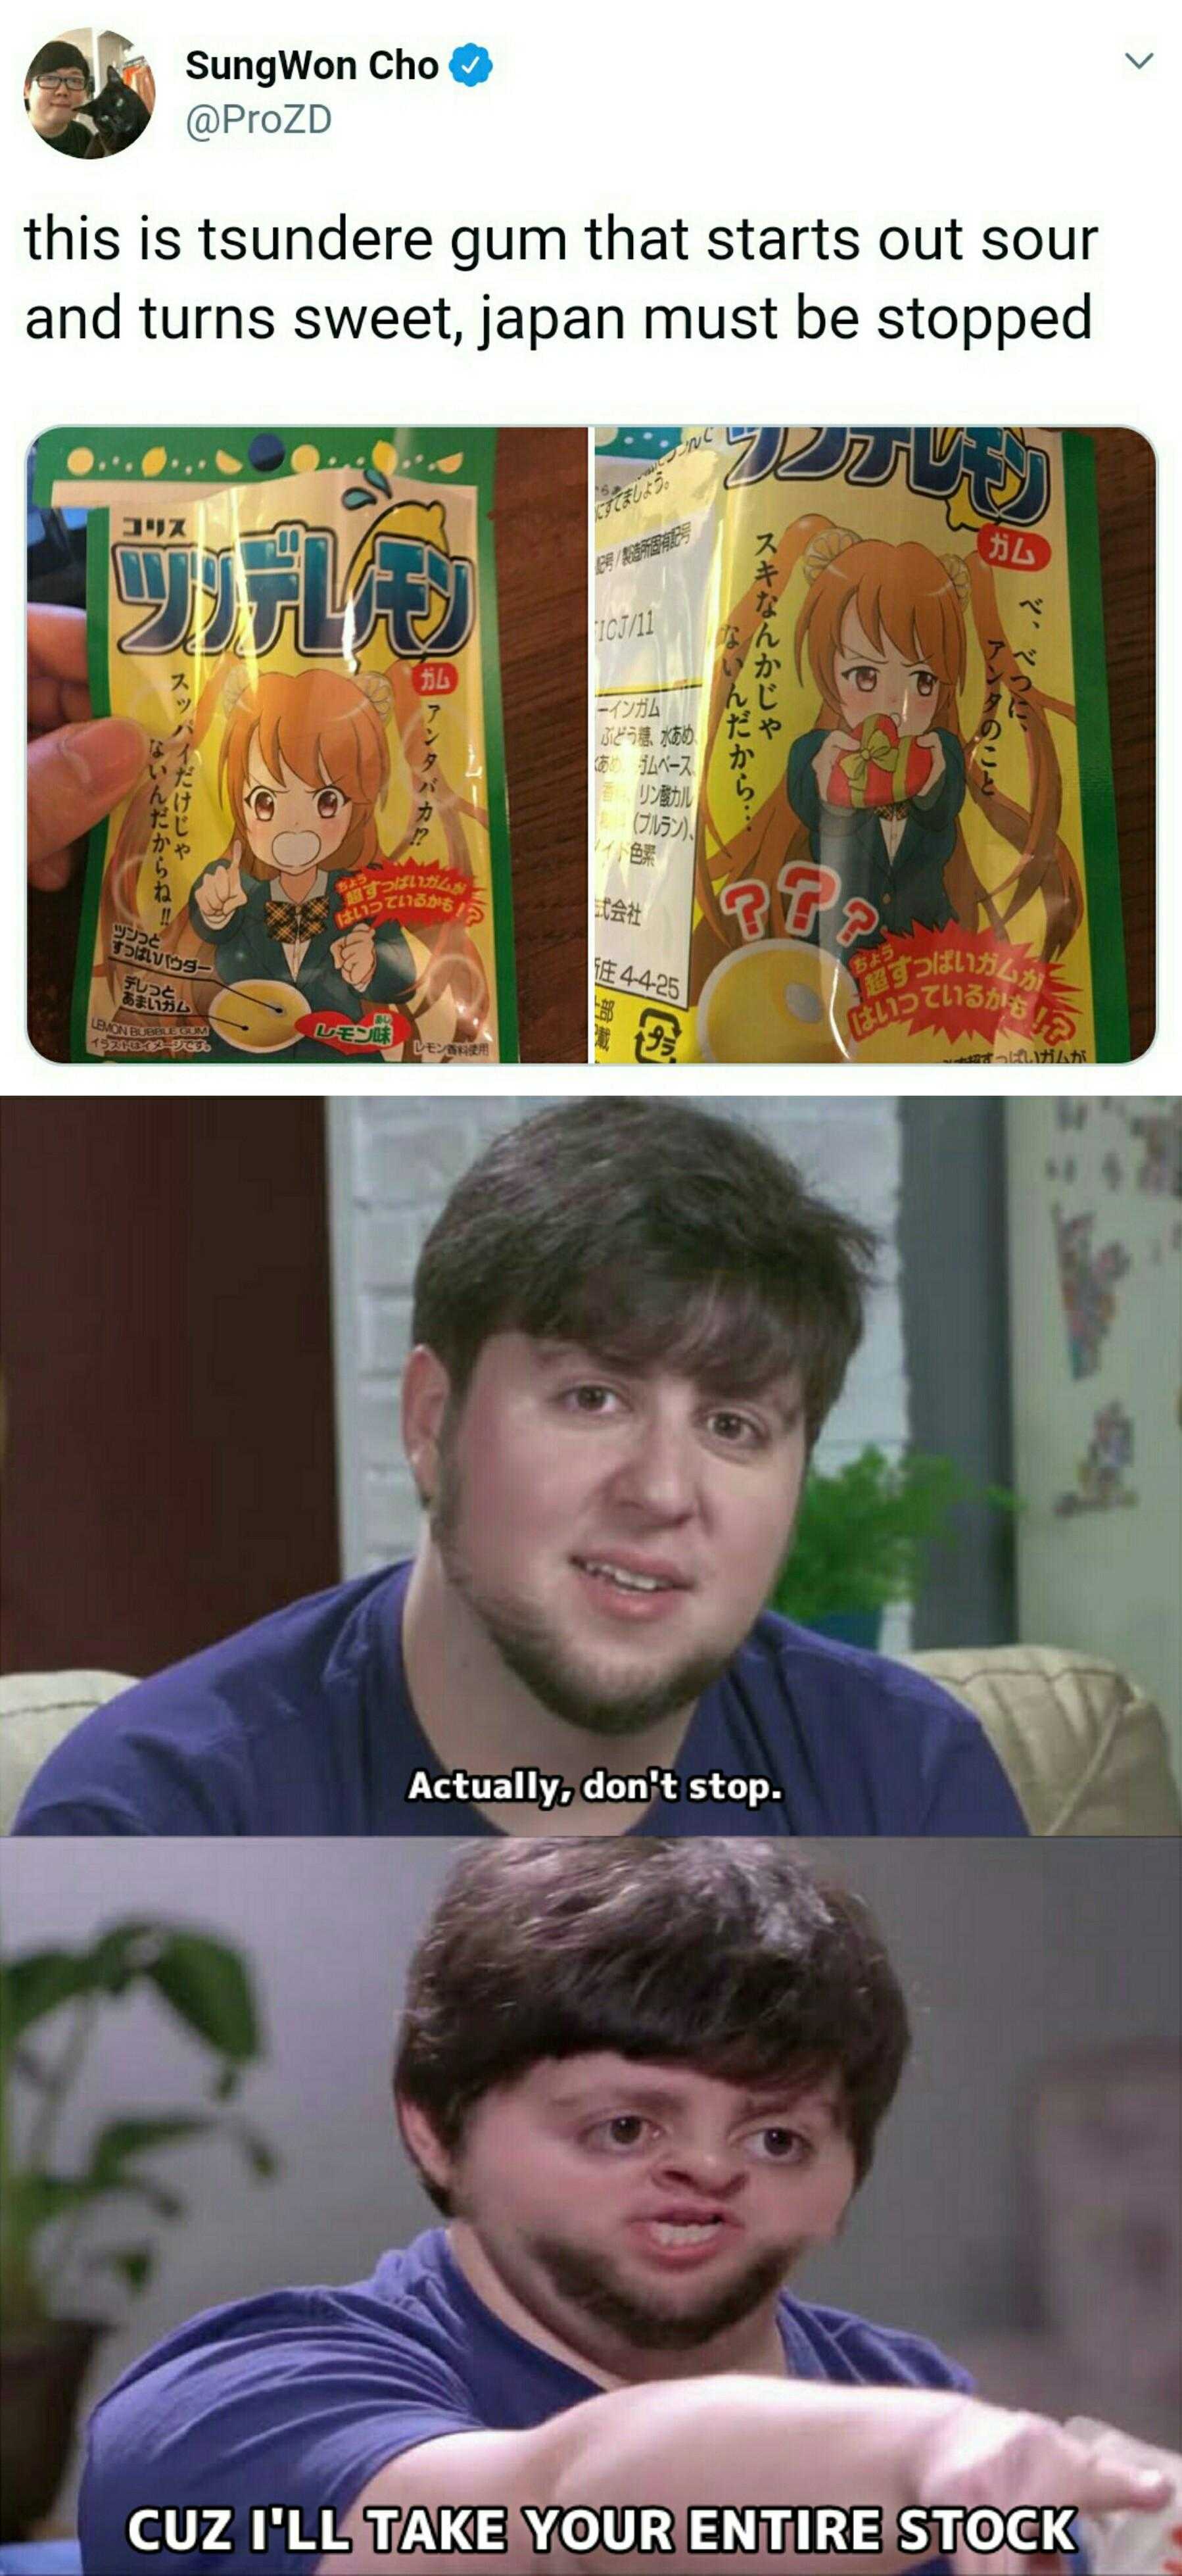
(226, 886)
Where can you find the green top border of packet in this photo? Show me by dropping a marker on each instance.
(182, 455)
(1106, 938)
(116, 456)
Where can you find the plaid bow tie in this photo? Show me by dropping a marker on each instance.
(296, 920)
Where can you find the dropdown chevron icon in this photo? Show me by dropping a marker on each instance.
(1138, 61)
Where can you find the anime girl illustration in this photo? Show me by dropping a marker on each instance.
(875, 789)
(304, 766)
(879, 781)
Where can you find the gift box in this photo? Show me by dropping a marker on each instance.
(886, 768)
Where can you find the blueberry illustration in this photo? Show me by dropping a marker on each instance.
(266, 452)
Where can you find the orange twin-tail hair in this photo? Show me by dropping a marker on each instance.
(760, 848)
(1045, 864)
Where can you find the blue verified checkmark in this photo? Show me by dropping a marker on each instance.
(470, 64)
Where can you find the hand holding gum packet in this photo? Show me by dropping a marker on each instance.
(314, 863)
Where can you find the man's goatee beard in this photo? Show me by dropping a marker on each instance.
(535, 1656)
(583, 2280)
(530, 1650)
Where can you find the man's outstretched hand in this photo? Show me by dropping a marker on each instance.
(984, 2456)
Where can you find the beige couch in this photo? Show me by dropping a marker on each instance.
(1085, 1750)
(36, 1711)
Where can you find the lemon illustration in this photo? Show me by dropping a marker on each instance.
(258, 1017)
(781, 1001)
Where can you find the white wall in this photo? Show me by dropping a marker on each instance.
(1104, 1575)
(101, 46)
(391, 1165)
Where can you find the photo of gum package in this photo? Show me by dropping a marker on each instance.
(854, 783)
(314, 863)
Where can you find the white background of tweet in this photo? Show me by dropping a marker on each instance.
(707, 114)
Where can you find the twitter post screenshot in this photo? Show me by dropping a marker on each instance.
(591, 1269)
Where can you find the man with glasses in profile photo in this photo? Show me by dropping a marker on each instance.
(57, 84)
(68, 113)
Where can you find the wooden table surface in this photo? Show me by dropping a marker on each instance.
(540, 524)
(1126, 502)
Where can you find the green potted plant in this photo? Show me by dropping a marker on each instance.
(861, 1538)
(50, 2004)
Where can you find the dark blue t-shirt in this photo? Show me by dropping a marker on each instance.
(303, 1724)
(299, 2397)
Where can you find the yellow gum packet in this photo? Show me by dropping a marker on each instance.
(853, 783)
(315, 862)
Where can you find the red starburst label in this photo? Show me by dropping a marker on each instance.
(963, 984)
(413, 891)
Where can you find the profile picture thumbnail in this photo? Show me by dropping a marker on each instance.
(89, 93)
